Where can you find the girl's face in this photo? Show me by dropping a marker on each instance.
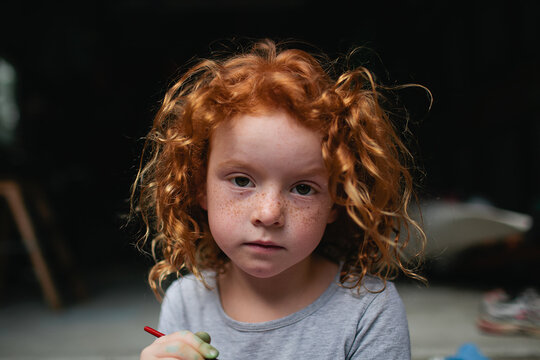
(266, 192)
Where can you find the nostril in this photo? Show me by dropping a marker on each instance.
(268, 210)
(268, 218)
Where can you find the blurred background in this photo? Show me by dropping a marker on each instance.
(80, 83)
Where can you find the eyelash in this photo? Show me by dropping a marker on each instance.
(311, 191)
(235, 179)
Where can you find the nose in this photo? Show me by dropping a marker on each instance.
(268, 211)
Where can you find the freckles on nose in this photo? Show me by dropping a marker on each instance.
(268, 208)
(270, 202)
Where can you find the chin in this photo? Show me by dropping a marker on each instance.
(262, 272)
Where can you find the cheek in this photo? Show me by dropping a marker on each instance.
(223, 211)
(311, 219)
(218, 205)
(311, 214)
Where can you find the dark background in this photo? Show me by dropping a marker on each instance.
(91, 75)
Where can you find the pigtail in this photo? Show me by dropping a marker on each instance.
(169, 184)
(372, 180)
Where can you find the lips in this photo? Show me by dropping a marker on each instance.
(264, 245)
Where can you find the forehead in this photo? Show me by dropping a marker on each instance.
(258, 137)
(268, 124)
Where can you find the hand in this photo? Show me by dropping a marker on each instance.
(182, 345)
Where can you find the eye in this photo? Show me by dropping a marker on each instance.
(303, 189)
(241, 181)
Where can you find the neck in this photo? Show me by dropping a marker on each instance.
(277, 287)
(251, 299)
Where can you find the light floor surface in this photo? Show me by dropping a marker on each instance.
(109, 325)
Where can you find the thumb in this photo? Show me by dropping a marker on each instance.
(204, 336)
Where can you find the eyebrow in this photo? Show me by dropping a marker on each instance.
(235, 163)
(316, 170)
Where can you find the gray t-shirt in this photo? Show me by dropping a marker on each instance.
(340, 324)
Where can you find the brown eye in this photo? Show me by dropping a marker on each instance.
(241, 181)
(303, 189)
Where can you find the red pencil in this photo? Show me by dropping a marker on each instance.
(154, 332)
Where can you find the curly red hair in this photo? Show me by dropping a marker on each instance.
(366, 160)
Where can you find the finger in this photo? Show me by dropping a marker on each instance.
(180, 350)
(168, 351)
(204, 336)
(207, 350)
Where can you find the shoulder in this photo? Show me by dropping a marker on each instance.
(382, 301)
(373, 303)
(188, 287)
(372, 291)
(386, 305)
(381, 323)
(186, 297)
(184, 283)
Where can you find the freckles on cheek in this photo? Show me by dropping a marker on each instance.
(306, 216)
(221, 206)
(231, 208)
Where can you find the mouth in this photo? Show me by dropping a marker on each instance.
(263, 245)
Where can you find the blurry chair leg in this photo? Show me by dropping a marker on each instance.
(11, 191)
(70, 270)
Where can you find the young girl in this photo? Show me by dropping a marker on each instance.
(277, 194)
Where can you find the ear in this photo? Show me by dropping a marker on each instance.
(202, 198)
(333, 215)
